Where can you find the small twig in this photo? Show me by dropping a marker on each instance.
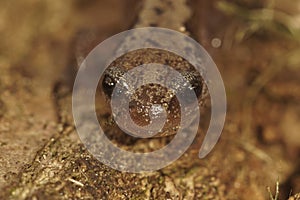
(76, 182)
(276, 192)
(256, 151)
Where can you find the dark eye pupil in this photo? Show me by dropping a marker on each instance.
(196, 81)
(197, 86)
(111, 76)
(108, 85)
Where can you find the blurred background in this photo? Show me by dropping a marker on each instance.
(255, 44)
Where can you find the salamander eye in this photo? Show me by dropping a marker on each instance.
(196, 81)
(108, 85)
(111, 76)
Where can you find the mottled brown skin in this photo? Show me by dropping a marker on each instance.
(151, 94)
